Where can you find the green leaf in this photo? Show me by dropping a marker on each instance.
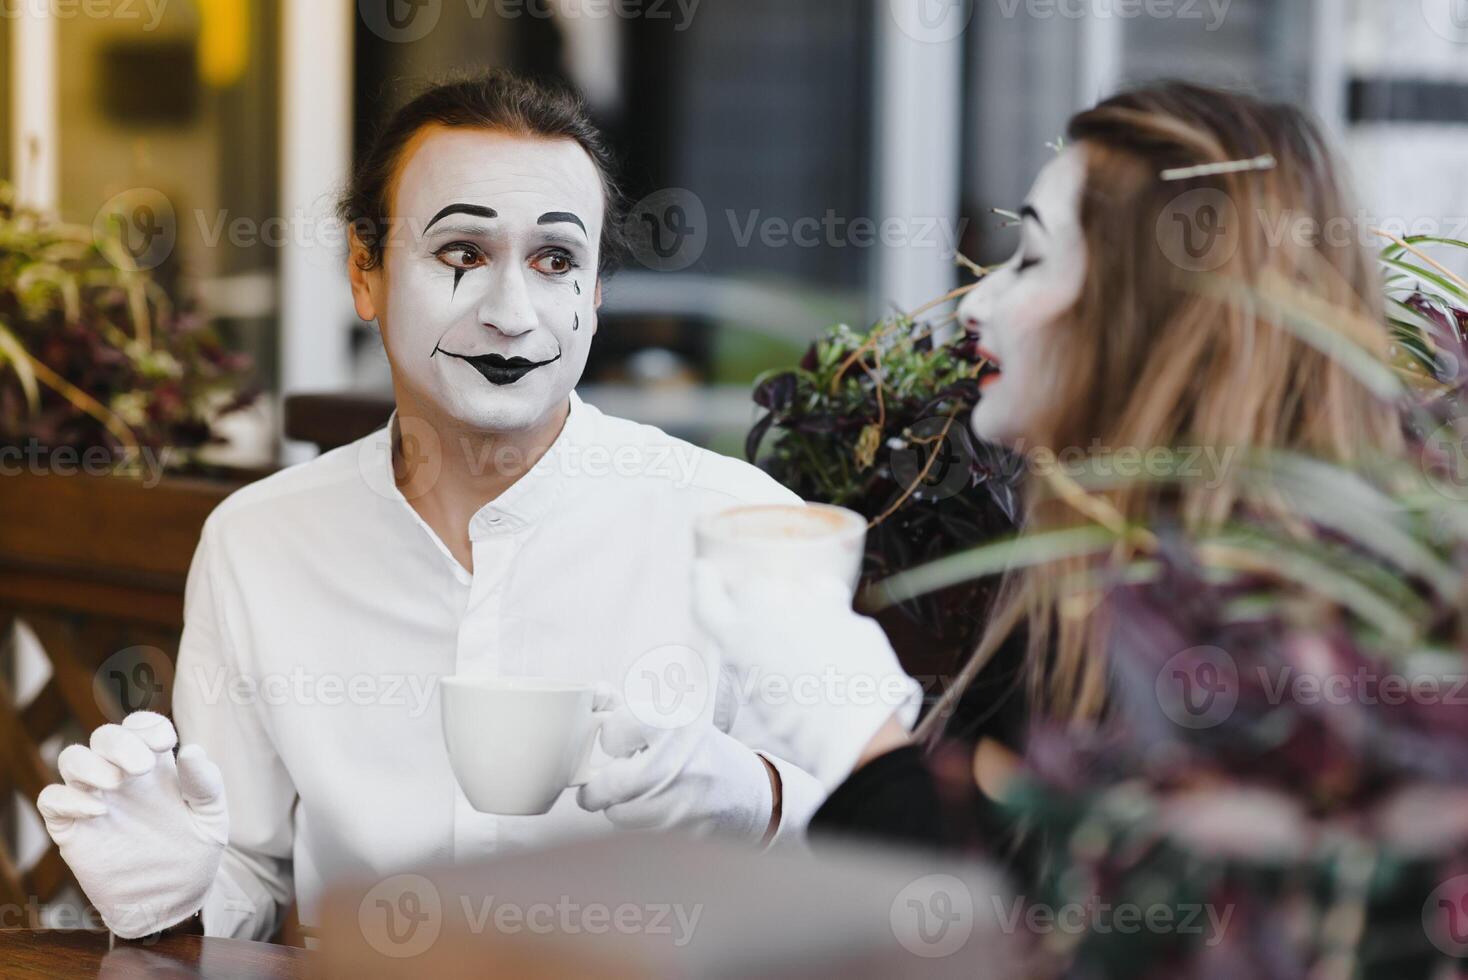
(1380, 600)
(991, 559)
(1428, 276)
(1338, 498)
(1434, 240)
(13, 351)
(1370, 370)
(1332, 496)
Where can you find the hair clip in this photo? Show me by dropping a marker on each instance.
(1011, 219)
(1266, 162)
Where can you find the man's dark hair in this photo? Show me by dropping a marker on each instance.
(495, 99)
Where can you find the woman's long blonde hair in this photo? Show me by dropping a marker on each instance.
(1162, 351)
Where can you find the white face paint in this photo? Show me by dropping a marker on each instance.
(1013, 310)
(490, 276)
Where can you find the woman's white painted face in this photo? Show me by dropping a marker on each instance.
(490, 294)
(1013, 310)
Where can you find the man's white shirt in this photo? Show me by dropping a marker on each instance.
(321, 611)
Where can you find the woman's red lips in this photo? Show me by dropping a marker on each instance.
(989, 369)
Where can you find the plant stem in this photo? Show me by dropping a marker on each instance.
(923, 475)
(870, 342)
(85, 403)
(950, 295)
(972, 266)
(1423, 256)
(1098, 509)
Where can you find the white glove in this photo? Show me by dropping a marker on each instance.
(822, 679)
(142, 834)
(693, 778)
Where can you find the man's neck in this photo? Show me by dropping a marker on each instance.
(448, 471)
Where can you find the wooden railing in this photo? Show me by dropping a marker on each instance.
(95, 567)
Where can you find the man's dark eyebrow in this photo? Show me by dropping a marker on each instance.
(1029, 212)
(559, 217)
(478, 210)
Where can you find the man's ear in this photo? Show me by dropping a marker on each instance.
(596, 305)
(366, 283)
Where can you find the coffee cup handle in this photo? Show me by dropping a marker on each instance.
(586, 770)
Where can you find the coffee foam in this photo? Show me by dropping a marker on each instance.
(776, 521)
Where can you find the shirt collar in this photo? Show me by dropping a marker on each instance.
(529, 499)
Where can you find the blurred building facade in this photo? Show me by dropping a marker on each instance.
(776, 128)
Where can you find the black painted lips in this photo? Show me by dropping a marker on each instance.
(502, 370)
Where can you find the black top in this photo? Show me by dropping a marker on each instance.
(893, 797)
(913, 796)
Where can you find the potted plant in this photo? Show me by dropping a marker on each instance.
(109, 385)
(94, 352)
(1282, 789)
(878, 421)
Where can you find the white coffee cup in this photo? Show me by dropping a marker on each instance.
(516, 743)
(791, 541)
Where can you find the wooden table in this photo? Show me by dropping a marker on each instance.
(669, 907)
(25, 954)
